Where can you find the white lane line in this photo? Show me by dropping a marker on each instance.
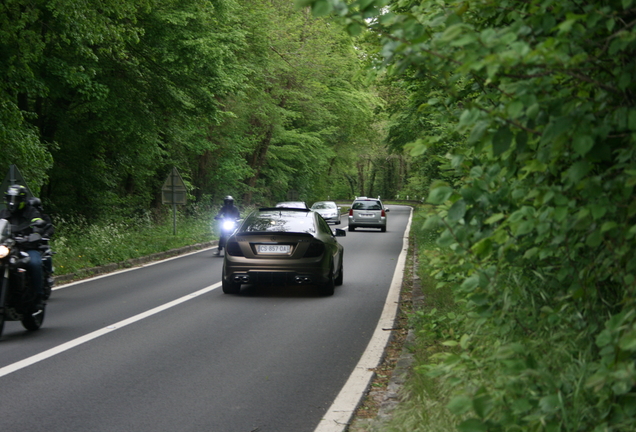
(340, 412)
(148, 264)
(97, 333)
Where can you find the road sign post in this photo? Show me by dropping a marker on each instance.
(174, 193)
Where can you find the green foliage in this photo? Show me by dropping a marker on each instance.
(80, 243)
(252, 99)
(531, 104)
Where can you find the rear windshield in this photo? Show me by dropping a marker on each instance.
(366, 205)
(325, 205)
(279, 221)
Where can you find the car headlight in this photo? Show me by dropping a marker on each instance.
(4, 251)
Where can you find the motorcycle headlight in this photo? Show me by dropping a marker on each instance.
(4, 251)
(228, 225)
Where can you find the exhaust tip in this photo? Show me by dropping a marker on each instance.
(302, 279)
(242, 278)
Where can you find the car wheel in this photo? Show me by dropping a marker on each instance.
(383, 229)
(340, 277)
(328, 288)
(229, 287)
(352, 228)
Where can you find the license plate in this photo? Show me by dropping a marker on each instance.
(274, 249)
(367, 215)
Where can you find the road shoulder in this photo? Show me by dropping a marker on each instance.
(384, 392)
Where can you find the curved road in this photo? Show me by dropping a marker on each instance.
(160, 347)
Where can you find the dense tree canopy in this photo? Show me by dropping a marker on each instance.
(256, 99)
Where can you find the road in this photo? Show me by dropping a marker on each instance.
(162, 348)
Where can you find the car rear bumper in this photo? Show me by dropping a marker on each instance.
(247, 273)
(362, 222)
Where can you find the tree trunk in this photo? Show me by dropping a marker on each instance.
(257, 162)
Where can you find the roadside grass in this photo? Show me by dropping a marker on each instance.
(424, 400)
(79, 243)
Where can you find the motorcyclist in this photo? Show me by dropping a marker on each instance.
(26, 219)
(227, 212)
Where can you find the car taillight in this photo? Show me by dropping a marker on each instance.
(232, 248)
(383, 214)
(314, 250)
(350, 212)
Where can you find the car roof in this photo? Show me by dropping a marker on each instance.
(294, 204)
(284, 209)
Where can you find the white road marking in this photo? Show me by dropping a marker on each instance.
(151, 263)
(101, 332)
(340, 412)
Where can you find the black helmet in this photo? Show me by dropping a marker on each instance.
(228, 200)
(15, 197)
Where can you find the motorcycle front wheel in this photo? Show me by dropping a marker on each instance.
(2, 314)
(3, 310)
(34, 321)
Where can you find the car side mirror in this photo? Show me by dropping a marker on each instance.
(340, 233)
(386, 210)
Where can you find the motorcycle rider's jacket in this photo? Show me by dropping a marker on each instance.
(228, 212)
(26, 221)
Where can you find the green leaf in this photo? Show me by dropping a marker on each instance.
(560, 213)
(594, 239)
(582, 144)
(494, 218)
(354, 29)
(439, 195)
(457, 211)
(483, 247)
(604, 338)
(627, 342)
(432, 222)
(472, 425)
(459, 405)
(549, 403)
(579, 170)
(470, 283)
(321, 8)
(608, 226)
(501, 141)
(631, 119)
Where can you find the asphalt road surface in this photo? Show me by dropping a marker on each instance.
(161, 348)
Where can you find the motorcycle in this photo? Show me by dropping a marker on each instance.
(227, 226)
(18, 300)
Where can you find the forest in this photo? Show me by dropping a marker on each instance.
(514, 119)
(256, 99)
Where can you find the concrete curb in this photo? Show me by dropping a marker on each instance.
(390, 397)
(133, 262)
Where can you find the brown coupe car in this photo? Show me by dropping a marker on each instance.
(283, 246)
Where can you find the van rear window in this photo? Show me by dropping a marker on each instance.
(366, 205)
